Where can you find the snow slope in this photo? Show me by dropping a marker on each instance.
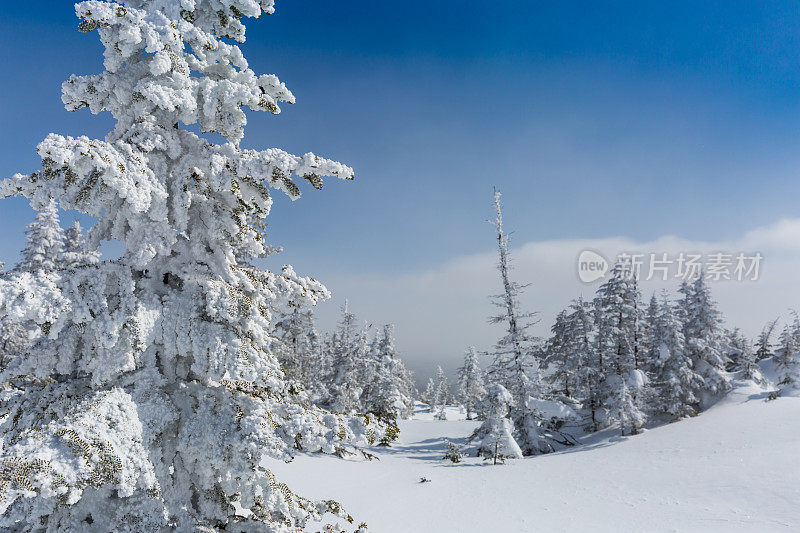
(736, 467)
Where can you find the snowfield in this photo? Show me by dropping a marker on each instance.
(735, 467)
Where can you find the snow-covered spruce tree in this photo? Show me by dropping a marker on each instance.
(649, 340)
(495, 437)
(76, 251)
(442, 391)
(155, 398)
(45, 241)
(629, 409)
(702, 330)
(31, 292)
(584, 357)
(570, 352)
(764, 347)
(348, 361)
(734, 346)
(319, 390)
(557, 353)
(471, 388)
(441, 395)
(514, 363)
(747, 365)
(391, 393)
(742, 356)
(787, 359)
(429, 396)
(618, 323)
(677, 384)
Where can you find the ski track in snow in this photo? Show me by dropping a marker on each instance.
(736, 467)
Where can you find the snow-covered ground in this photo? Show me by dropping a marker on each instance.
(736, 467)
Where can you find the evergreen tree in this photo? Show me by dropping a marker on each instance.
(441, 392)
(786, 360)
(45, 241)
(629, 409)
(678, 385)
(154, 396)
(619, 320)
(514, 363)
(348, 359)
(764, 348)
(558, 351)
(76, 252)
(747, 364)
(702, 331)
(495, 436)
(392, 395)
(585, 357)
(430, 394)
(736, 344)
(649, 340)
(471, 389)
(36, 280)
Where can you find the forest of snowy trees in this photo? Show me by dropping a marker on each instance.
(609, 361)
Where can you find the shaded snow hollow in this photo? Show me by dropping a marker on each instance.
(736, 467)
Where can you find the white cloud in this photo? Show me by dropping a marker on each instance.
(441, 311)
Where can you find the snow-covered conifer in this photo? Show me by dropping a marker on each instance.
(735, 344)
(628, 406)
(558, 351)
(742, 357)
(514, 364)
(619, 319)
(391, 392)
(764, 347)
(155, 402)
(495, 437)
(429, 396)
(702, 331)
(584, 358)
(441, 392)
(651, 315)
(747, 364)
(348, 359)
(76, 251)
(453, 452)
(471, 388)
(787, 359)
(45, 241)
(678, 385)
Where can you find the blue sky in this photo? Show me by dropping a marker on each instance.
(635, 119)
